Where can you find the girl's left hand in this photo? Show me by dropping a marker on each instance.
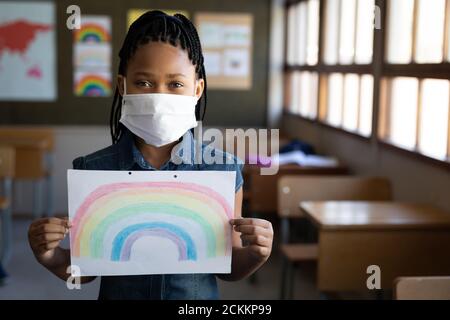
(256, 234)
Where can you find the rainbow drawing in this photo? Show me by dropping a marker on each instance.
(92, 85)
(92, 32)
(114, 216)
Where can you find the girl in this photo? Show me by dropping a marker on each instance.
(161, 72)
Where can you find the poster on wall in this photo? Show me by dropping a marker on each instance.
(27, 62)
(92, 57)
(133, 14)
(227, 48)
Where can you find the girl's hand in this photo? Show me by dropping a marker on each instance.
(44, 236)
(256, 235)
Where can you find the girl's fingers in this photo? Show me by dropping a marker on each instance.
(256, 240)
(49, 237)
(50, 228)
(254, 230)
(42, 248)
(251, 221)
(49, 221)
(260, 251)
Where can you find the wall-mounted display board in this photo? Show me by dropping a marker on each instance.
(227, 48)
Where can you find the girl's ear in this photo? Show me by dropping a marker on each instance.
(199, 87)
(120, 80)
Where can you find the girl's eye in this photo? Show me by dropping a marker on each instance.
(176, 84)
(145, 84)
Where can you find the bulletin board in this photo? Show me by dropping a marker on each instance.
(227, 43)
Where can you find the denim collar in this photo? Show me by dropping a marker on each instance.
(129, 154)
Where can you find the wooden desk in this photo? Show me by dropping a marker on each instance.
(261, 190)
(403, 239)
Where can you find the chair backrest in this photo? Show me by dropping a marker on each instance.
(7, 162)
(35, 135)
(293, 189)
(422, 288)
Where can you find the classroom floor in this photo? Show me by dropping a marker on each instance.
(29, 280)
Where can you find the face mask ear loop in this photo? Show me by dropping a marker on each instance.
(124, 85)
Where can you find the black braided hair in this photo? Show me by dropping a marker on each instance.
(158, 26)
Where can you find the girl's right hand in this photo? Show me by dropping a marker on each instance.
(44, 236)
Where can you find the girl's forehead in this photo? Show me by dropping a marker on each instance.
(160, 59)
(161, 54)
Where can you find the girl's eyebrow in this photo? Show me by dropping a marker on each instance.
(169, 75)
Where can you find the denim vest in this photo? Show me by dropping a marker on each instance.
(124, 155)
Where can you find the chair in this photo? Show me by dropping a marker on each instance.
(422, 288)
(293, 189)
(7, 166)
(33, 158)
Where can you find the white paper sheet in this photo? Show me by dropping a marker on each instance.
(150, 222)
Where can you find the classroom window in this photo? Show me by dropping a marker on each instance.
(348, 31)
(416, 115)
(400, 31)
(434, 120)
(303, 94)
(348, 102)
(416, 31)
(347, 41)
(303, 33)
(337, 86)
(430, 31)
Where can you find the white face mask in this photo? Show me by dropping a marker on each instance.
(158, 118)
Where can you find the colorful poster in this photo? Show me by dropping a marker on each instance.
(158, 222)
(92, 84)
(133, 14)
(27, 51)
(92, 57)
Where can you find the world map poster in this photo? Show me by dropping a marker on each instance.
(27, 51)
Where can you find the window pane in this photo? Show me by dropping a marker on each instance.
(448, 33)
(291, 45)
(364, 31)
(347, 32)
(331, 32)
(335, 95)
(365, 105)
(430, 31)
(313, 32)
(294, 93)
(433, 132)
(302, 33)
(400, 29)
(308, 94)
(403, 112)
(351, 100)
